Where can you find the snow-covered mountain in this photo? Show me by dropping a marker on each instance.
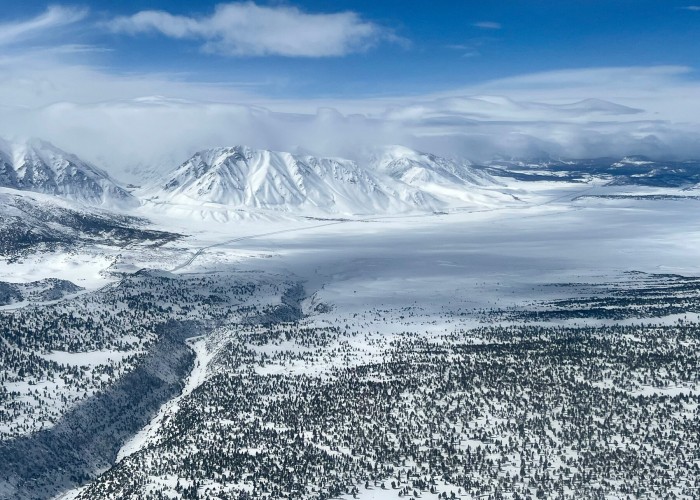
(243, 177)
(416, 168)
(394, 179)
(39, 166)
(441, 178)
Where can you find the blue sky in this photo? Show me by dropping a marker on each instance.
(438, 44)
(132, 83)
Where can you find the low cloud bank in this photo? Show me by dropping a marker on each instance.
(574, 114)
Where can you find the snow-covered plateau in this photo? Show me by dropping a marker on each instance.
(261, 324)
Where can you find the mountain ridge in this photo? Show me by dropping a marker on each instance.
(39, 166)
(395, 179)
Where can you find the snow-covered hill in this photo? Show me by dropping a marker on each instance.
(39, 166)
(444, 179)
(394, 179)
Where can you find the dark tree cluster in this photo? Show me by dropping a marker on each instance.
(640, 295)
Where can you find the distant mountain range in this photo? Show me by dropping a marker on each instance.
(392, 179)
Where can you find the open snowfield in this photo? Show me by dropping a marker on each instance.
(86, 269)
(479, 258)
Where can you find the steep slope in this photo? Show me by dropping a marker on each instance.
(8, 176)
(32, 222)
(395, 180)
(39, 166)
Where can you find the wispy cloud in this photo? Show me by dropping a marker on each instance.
(695, 8)
(472, 47)
(247, 29)
(466, 49)
(54, 17)
(488, 25)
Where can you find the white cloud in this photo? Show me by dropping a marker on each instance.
(695, 8)
(54, 17)
(247, 29)
(109, 118)
(488, 25)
